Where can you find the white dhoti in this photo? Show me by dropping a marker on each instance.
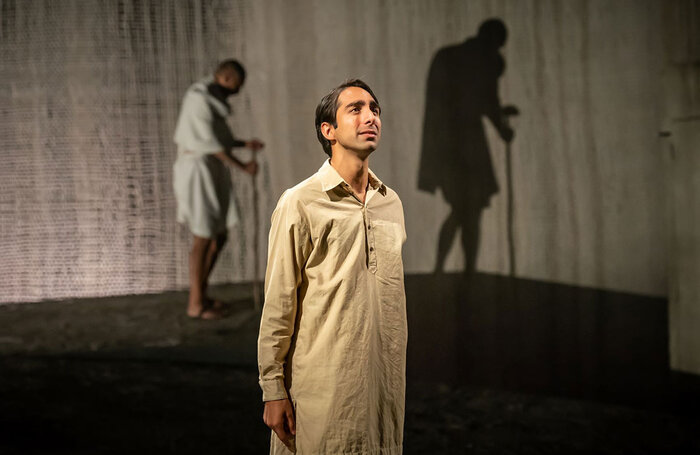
(204, 194)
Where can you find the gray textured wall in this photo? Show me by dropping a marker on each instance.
(682, 166)
(85, 185)
(586, 77)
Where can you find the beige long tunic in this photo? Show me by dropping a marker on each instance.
(333, 330)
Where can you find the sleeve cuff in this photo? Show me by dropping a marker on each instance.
(273, 389)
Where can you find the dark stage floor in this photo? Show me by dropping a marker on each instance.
(133, 375)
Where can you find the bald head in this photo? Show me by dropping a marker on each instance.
(230, 74)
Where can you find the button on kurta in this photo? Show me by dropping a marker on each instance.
(371, 254)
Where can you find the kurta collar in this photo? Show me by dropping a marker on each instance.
(330, 179)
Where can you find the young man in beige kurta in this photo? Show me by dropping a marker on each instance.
(332, 345)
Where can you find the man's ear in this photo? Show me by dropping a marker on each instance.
(328, 131)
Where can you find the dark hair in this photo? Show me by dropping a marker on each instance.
(327, 109)
(231, 64)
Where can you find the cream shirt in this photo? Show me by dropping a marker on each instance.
(333, 329)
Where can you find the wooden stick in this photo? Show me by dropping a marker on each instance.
(257, 298)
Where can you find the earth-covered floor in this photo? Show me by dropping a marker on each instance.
(134, 375)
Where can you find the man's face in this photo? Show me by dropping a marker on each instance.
(359, 126)
(229, 79)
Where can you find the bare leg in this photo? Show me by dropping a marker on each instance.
(447, 235)
(198, 274)
(212, 255)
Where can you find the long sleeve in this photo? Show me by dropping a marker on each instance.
(289, 247)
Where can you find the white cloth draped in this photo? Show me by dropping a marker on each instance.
(203, 188)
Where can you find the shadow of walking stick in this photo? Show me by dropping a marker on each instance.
(507, 112)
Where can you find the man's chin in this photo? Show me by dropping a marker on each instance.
(365, 152)
(372, 144)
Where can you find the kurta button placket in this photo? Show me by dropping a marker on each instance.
(372, 254)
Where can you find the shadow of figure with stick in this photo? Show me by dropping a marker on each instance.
(455, 157)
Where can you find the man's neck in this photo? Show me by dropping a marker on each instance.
(354, 170)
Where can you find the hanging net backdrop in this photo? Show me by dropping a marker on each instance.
(90, 95)
(90, 92)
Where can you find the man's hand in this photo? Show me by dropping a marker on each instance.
(279, 415)
(251, 167)
(254, 144)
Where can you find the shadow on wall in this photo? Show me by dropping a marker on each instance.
(502, 331)
(518, 334)
(462, 88)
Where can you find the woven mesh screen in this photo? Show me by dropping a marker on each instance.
(90, 91)
(89, 97)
